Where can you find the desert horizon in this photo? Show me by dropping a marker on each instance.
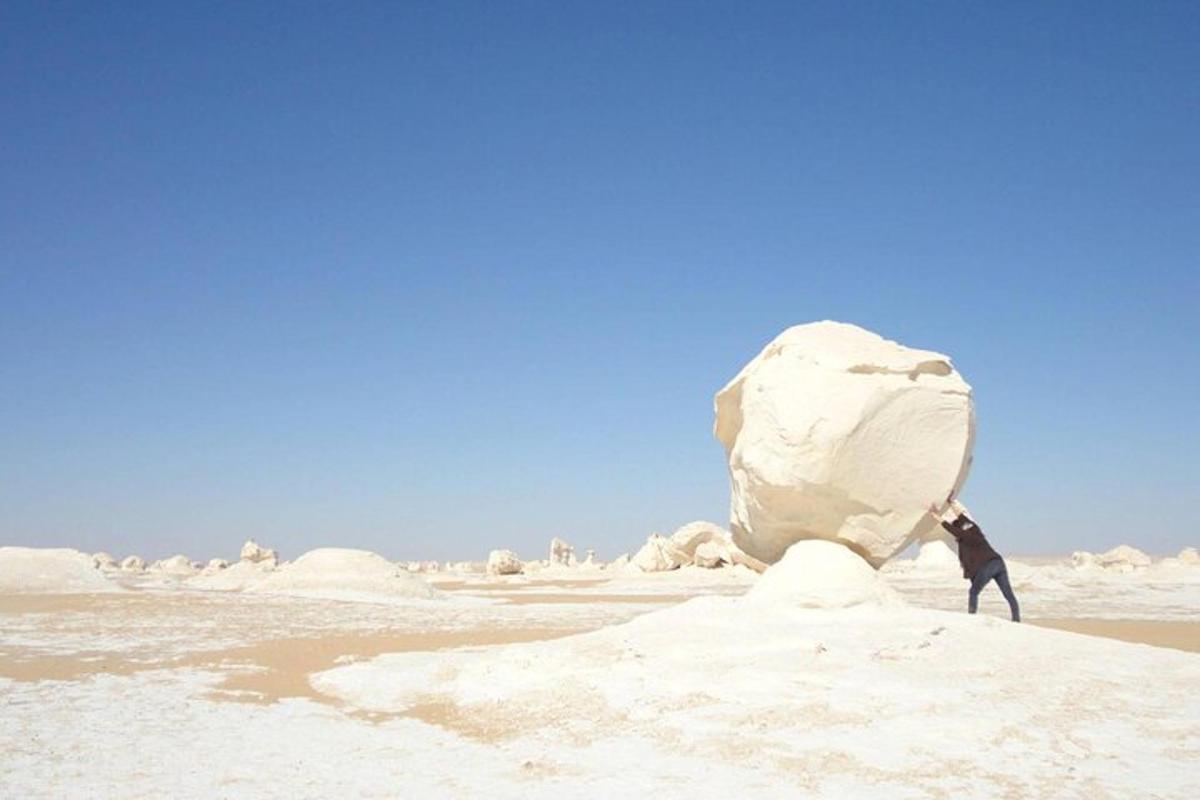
(542, 401)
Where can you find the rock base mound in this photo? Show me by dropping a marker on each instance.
(821, 574)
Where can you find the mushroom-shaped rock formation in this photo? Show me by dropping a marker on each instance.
(833, 432)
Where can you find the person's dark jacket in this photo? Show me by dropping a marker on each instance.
(973, 549)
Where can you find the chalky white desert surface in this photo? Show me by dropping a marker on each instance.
(793, 655)
(343, 674)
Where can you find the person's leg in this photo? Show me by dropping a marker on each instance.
(985, 574)
(977, 583)
(1006, 590)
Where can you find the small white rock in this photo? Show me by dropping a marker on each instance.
(503, 562)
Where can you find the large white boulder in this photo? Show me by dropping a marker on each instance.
(821, 574)
(50, 571)
(658, 555)
(503, 562)
(1189, 556)
(254, 552)
(833, 432)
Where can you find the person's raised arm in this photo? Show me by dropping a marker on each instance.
(940, 517)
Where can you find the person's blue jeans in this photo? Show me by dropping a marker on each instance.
(993, 570)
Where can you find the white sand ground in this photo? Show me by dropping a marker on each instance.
(173, 691)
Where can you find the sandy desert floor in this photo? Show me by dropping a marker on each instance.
(673, 684)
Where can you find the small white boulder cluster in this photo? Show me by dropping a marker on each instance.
(562, 556)
(1121, 558)
(1124, 559)
(255, 553)
(698, 544)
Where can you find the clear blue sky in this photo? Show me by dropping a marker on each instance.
(433, 278)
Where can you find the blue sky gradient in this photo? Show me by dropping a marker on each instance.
(434, 278)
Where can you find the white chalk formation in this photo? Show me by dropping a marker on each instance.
(711, 555)
(503, 562)
(1121, 558)
(235, 577)
(833, 432)
(255, 553)
(688, 537)
(657, 555)
(133, 564)
(104, 561)
(176, 566)
(821, 574)
(561, 553)
(696, 544)
(50, 571)
(339, 572)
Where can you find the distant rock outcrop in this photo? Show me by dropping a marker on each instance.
(254, 552)
(1121, 558)
(503, 562)
(178, 565)
(343, 573)
(133, 564)
(105, 562)
(561, 553)
(658, 555)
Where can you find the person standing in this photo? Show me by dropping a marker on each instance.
(980, 563)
